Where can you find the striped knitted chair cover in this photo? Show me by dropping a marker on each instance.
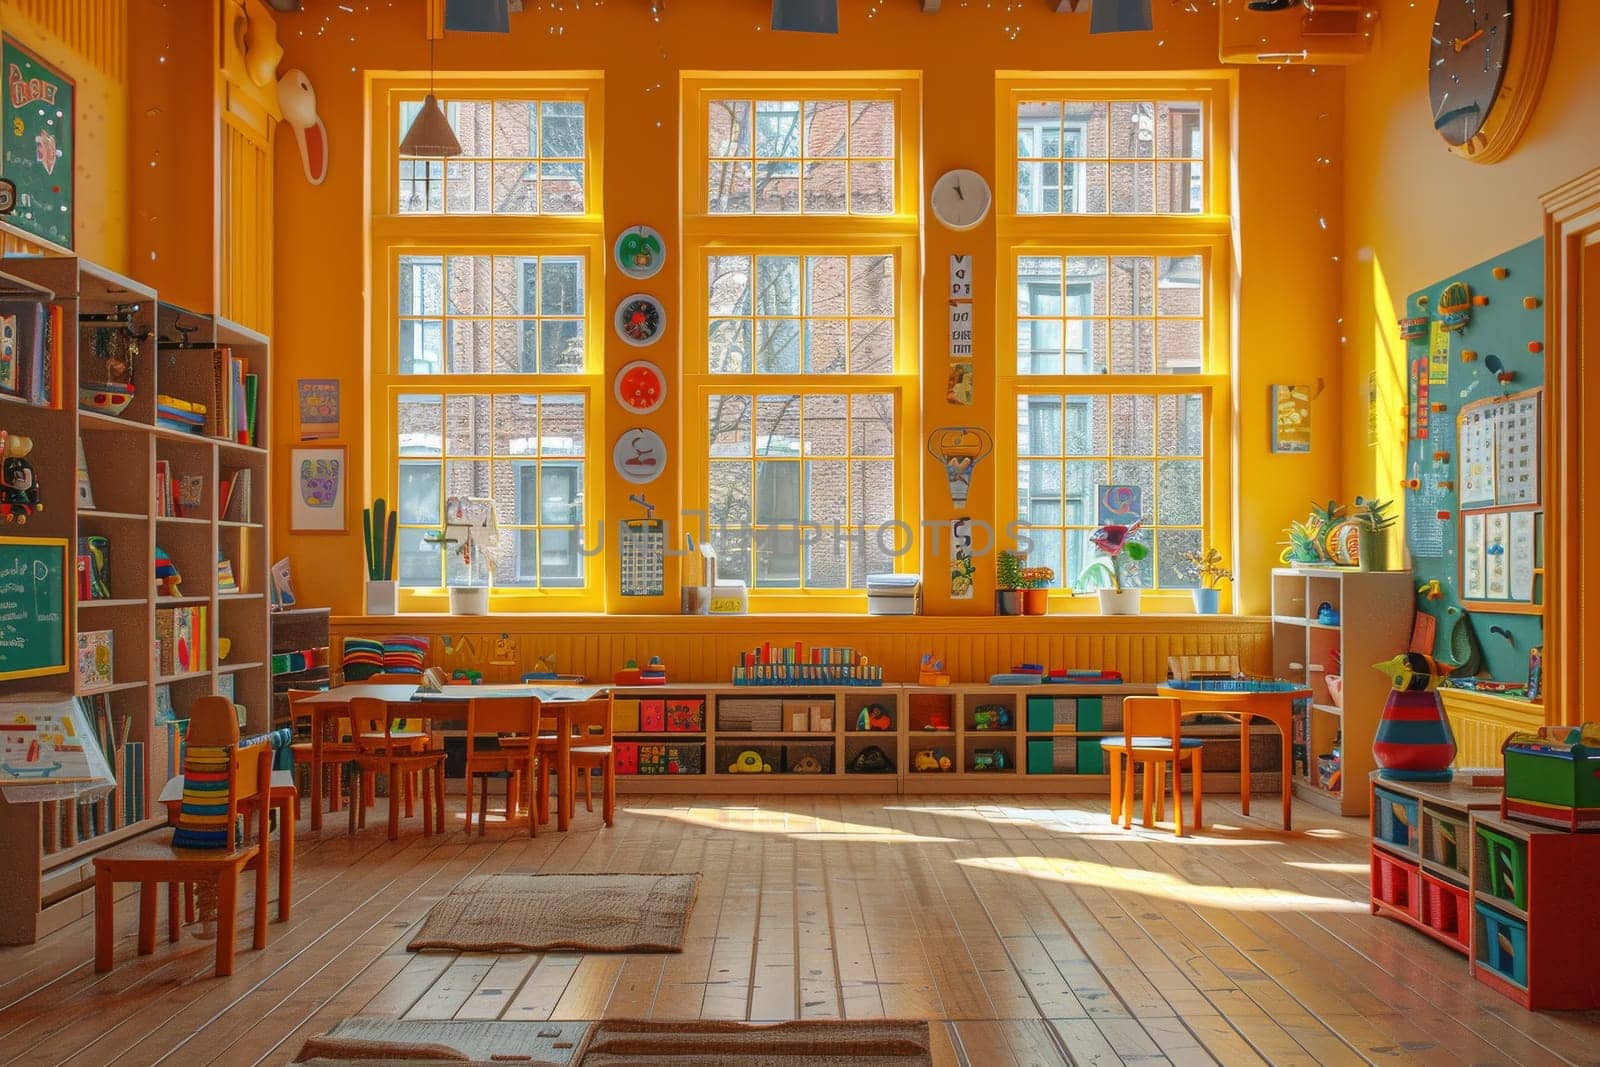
(203, 815)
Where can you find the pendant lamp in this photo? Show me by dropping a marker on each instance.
(430, 134)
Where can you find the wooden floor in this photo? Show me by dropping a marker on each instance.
(1041, 933)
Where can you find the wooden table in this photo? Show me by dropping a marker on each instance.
(559, 699)
(1276, 706)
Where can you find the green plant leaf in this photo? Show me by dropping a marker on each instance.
(1136, 551)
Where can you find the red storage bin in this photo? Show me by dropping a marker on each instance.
(626, 754)
(1447, 909)
(1395, 883)
(653, 716)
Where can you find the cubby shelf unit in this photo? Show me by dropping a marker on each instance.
(49, 868)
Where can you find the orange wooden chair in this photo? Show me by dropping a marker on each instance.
(213, 742)
(510, 722)
(397, 757)
(1152, 736)
(406, 737)
(303, 745)
(593, 749)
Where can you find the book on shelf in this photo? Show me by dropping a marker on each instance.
(165, 499)
(252, 391)
(94, 659)
(30, 351)
(176, 413)
(182, 646)
(133, 791)
(235, 495)
(226, 582)
(94, 580)
(191, 492)
(229, 417)
(85, 490)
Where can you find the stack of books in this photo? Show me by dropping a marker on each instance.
(232, 416)
(176, 413)
(181, 640)
(894, 594)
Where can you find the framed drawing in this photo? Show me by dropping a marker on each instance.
(317, 479)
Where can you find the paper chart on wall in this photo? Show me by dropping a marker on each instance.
(642, 554)
(1522, 552)
(960, 329)
(1477, 459)
(1424, 529)
(1472, 576)
(1517, 451)
(1438, 353)
(1496, 565)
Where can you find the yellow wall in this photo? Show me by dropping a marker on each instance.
(87, 39)
(1288, 120)
(1414, 212)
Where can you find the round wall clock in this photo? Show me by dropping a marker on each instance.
(1486, 67)
(639, 456)
(640, 252)
(640, 319)
(640, 387)
(961, 199)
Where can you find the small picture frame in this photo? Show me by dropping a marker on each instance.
(318, 478)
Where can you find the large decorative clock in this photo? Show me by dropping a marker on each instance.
(1486, 66)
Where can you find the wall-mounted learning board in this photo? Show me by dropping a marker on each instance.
(37, 143)
(1473, 492)
(33, 607)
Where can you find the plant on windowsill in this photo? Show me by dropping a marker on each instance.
(1036, 589)
(1205, 568)
(1114, 542)
(1008, 584)
(470, 533)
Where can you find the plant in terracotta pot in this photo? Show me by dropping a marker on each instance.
(1205, 568)
(1115, 542)
(1036, 589)
(1008, 584)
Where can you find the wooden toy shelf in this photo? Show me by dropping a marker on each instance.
(1374, 612)
(1508, 896)
(49, 846)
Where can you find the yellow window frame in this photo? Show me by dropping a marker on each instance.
(706, 234)
(1208, 234)
(391, 235)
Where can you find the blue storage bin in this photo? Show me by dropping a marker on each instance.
(1502, 945)
(1395, 820)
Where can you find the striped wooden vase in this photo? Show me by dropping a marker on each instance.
(1414, 742)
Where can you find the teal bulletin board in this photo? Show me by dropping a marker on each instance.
(33, 607)
(1473, 493)
(37, 146)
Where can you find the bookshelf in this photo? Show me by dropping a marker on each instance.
(114, 328)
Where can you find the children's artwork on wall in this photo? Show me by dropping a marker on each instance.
(960, 449)
(1117, 505)
(1291, 419)
(640, 252)
(959, 389)
(319, 408)
(961, 329)
(961, 565)
(639, 456)
(640, 387)
(298, 102)
(960, 277)
(640, 319)
(317, 479)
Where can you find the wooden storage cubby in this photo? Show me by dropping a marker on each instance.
(1374, 620)
(297, 630)
(43, 887)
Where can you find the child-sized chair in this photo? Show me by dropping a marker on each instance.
(592, 750)
(1152, 736)
(382, 752)
(220, 779)
(512, 723)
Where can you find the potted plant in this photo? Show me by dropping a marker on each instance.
(1114, 541)
(1375, 521)
(1207, 569)
(1036, 589)
(1008, 584)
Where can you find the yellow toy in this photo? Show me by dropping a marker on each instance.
(1413, 672)
(749, 762)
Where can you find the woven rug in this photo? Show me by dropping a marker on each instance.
(872, 1043)
(412, 1042)
(562, 913)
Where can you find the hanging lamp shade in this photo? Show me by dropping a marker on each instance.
(430, 134)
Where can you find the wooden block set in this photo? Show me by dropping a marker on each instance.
(1510, 896)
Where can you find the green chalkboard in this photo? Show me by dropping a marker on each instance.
(33, 607)
(37, 144)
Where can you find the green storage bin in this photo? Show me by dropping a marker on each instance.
(1505, 866)
(1091, 757)
(1041, 755)
(1051, 714)
(1091, 714)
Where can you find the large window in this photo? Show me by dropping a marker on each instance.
(801, 317)
(485, 359)
(1114, 225)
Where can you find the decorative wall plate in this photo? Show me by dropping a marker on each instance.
(640, 319)
(639, 456)
(640, 387)
(640, 252)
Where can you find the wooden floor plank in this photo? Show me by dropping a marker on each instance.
(1043, 933)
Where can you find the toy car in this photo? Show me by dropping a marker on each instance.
(805, 765)
(932, 760)
(749, 762)
(991, 717)
(990, 759)
(874, 717)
